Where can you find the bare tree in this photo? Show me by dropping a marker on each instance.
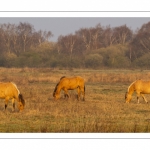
(67, 43)
(6, 34)
(108, 36)
(47, 35)
(86, 37)
(25, 32)
(96, 36)
(14, 39)
(141, 41)
(123, 34)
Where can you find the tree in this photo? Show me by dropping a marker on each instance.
(14, 39)
(122, 34)
(67, 43)
(97, 34)
(25, 34)
(86, 36)
(39, 37)
(109, 37)
(2, 42)
(6, 34)
(47, 35)
(140, 45)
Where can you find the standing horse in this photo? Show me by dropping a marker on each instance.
(9, 91)
(71, 83)
(140, 87)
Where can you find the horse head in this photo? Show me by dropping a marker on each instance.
(55, 94)
(127, 97)
(21, 103)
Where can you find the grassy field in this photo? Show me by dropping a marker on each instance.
(103, 111)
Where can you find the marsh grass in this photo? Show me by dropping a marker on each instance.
(103, 111)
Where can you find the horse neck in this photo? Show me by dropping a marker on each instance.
(18, 92)
(131, 89)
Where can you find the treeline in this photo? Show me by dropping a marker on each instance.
(97, 47)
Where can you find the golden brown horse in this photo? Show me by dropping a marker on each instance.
(9, 91)
(140, 87)
(70, 83)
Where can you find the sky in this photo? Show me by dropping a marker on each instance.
(67, 25)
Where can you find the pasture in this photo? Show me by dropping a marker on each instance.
(103, 111)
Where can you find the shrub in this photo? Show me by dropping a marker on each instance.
(143, 61)
(93, 60)
(114, 56)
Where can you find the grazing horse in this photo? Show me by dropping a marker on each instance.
(140, 87)
(9, 91)
(70, 83)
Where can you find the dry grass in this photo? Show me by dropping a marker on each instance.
(103, 111)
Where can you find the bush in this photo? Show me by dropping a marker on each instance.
(114, 56)
(7, 59)
(93, 60)
(143, 61)
(28, 59)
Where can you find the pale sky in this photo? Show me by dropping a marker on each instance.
(66, 25)
(66, 17)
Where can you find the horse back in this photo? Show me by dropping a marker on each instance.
(8, 89)
(72, 81)
(142, 86)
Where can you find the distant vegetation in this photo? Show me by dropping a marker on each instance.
(96, 47)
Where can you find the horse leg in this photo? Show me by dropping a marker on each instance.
(83, 92)
(144, 98)
(66, 93)
(79, 93)
(13, 104)
(138, 95)
(6, 102)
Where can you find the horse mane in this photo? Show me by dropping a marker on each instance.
(15, 87)
(21, 99)
(62, 77)
(131, 85)
(55, 89)
(57, 85)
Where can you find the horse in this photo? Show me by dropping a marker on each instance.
(9, 90)
(70, 83)
(140, 87)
